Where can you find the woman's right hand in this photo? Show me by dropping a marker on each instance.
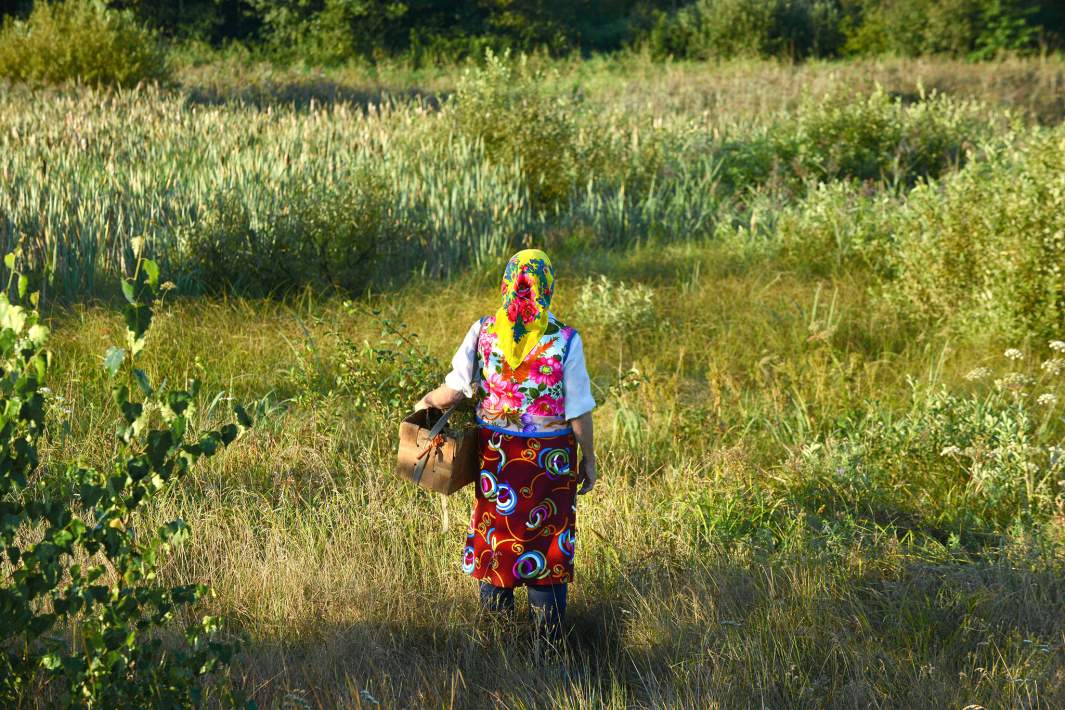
(586, 475)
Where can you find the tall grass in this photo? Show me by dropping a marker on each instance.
(266, 199)
(779, 517)
(831, 472)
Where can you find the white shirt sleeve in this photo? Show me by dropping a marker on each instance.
(463, 363)
(575, 380)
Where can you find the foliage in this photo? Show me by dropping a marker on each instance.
(977, 29)
(983, 458)
(615, 306)
(840, 137)
(330, 240)
(878, 137)
(81, 606)
(984, 249)
(505, 106)
(737, 28)
(835, 226)
(80, 40)
(333, 31)
(387, 376)
(427, 32)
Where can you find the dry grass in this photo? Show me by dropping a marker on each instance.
(691, 590)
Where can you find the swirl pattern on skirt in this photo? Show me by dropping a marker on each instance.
(524, 514)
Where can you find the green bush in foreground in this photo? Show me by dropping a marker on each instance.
(80, 40)
(953, 465)
(80, 606)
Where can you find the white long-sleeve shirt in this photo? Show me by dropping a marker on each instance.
(575, 380)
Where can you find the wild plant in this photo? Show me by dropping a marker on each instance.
(955, 463)
(80, 40)
(388, 376)
(984, 249)
(86, 620)
(615, 305)
(505, 105)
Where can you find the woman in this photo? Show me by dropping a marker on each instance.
(534, 407)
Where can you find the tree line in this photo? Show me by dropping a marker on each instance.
(332, 31)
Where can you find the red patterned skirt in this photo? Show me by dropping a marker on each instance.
(523, 526)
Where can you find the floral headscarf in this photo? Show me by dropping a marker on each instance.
(520, 322)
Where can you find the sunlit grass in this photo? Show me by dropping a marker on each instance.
(709, 574)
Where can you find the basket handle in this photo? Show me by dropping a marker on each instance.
(424, 456)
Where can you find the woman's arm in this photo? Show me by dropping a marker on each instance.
(459, 382)
(440, 398)
(582, 430)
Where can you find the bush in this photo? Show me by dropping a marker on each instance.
(882, 138)
(80, 40)
(978, 29)
(506, 106)
(387, 376)
(984, 250)
(328, 237)
(962, 465)
(80, 604)
(835, 226)
(748, 28)
(841, 137)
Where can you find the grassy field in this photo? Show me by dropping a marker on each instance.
(823, 323)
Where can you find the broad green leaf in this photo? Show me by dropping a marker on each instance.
(38, 334)
(151, 268)
(113, 359)
(128, 291)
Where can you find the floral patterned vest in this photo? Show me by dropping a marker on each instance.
(530, 399)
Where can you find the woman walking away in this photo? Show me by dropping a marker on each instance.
(534, 407)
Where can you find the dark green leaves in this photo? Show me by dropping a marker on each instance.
(84, 512)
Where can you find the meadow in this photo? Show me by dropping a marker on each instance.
(824, 310)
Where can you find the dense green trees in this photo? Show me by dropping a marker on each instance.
(328, 31)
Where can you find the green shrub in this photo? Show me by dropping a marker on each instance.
(83, 40)
(748, 28)
(977, 29)
(984, 250)
(505, 105)
(841, 137)
(966, 465)
(330, 238)
(80, 604)
(834, 226)
(878, 137)
(387, 376)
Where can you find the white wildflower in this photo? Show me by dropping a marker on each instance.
(1047, 399)
(1013, 354)
(950, 451)
(978, 374)
(1057, 346)
(1053, 366)
(1014, 381)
